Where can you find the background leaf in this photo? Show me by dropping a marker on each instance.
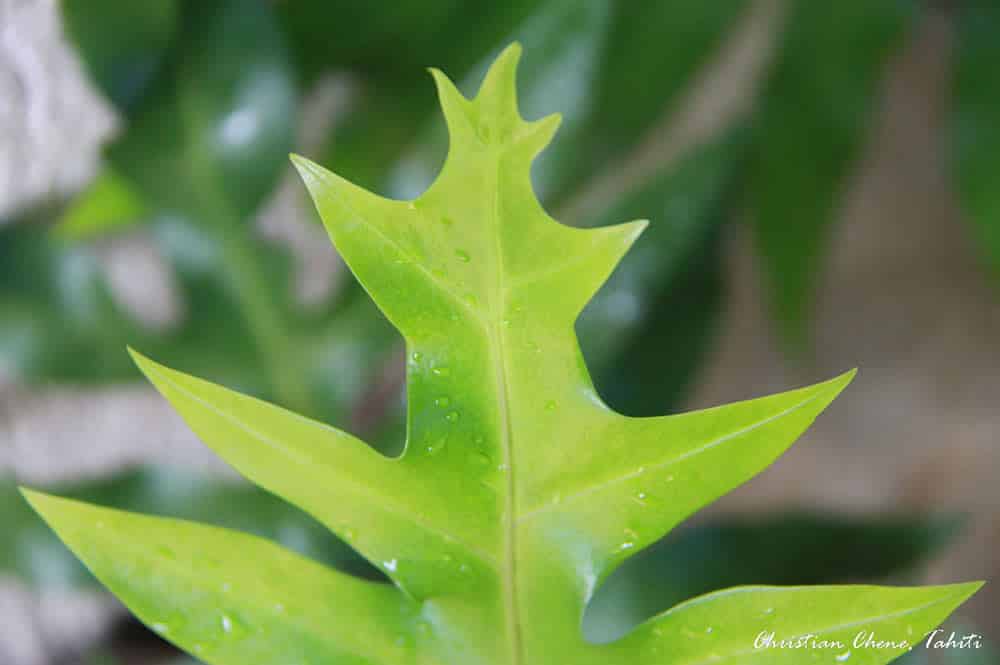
(122, 45)
(645, 331)
(975, 130)
(816, 110)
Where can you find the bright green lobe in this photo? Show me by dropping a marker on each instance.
(518, 491)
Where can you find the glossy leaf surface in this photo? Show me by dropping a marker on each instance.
(781, 549)
(29, 551)
(518, 491)
(785, 549)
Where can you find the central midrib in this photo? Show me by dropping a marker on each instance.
(498, 345)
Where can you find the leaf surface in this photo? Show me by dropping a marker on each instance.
(518, 491)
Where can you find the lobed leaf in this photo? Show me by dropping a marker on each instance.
(518, 490)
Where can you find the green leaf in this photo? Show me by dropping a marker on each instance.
(651, 58)
(975, 131)
(215, 621)
(31, 552)
(782, 549)
(197, 160)
(213, 138)
(383, 45)
(815, 114)
(59, 319)
(107, 205)
(122, 45)
(518, 491)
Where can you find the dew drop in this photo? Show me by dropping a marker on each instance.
(769, 610)
(550, 405)
(441, 371)
(506, 323)
(411, 205)
(842, 658)
(501, 467)
(390, 565)
(435, 446)
(279, 608)
(161, 628)
(708, 629)
(416, 356)
(627, 545)
(462, 255)
(452, 416)
(442, 401)
(670, 479)
(227, 623)
(226, 587)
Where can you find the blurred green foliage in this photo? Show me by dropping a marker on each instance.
(210, 96)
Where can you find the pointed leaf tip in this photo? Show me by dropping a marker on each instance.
(48, 506)
(308, 169)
